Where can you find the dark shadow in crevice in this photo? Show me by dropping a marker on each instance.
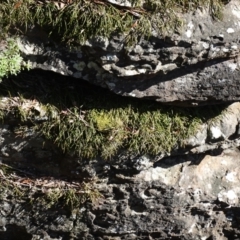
(65, 92)
(14, 232)
(118, 195)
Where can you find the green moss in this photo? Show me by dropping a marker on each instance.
(83, 19)
(93, 122)
(160, 131)
(106, 132)
(106, 120)
(138, 127)
(10, 60)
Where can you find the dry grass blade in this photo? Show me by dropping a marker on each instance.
(53, 190)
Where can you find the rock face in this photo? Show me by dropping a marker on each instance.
(191, 194)
(195, 198)
(197, 65)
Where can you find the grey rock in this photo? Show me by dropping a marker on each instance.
(199, 138)
(226, 124)
(197, 65)
(183, 195)
(190, 193)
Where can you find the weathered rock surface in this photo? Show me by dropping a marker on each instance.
(197, 65)
(192, 193)
(182, 196)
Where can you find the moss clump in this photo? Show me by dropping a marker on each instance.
(11, 61)
(26, 110)
(72, 198)
(82, 19)
(106, 120)
(93, 132)
(89, 121)
(89, 132)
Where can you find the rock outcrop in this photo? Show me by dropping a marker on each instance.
(197, 65)
(191, 193)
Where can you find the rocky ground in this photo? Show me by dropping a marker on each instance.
(190, 193)
(195, 65)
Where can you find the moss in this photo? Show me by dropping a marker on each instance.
(106, 132)
(26, 110)
(104, 127)
(94, 131)
(10, 60)
(106, 120)
(83, 19)
(93, 122)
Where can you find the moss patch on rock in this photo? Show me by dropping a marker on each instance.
(11, 62)
(104, 132)
(90, 122)
(78, 20)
